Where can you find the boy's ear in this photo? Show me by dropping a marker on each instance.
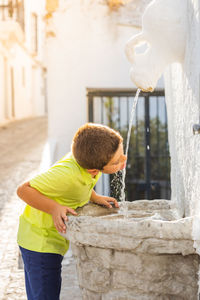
(93, 172)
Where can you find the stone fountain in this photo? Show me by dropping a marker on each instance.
(148, 255)
(151, 254)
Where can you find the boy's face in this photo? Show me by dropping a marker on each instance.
(118, 162)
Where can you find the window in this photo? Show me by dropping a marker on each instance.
(34, 33)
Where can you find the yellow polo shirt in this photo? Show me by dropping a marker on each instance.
(67, 183)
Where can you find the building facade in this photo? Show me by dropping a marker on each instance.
(22, 74)
(84, 49)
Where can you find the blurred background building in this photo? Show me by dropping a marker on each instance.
(22, 71)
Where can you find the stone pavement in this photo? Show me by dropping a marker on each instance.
(21, 147)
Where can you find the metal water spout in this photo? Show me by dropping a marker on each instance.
(164, 32)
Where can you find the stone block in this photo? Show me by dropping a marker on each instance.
(125, 295)
(121, 234)
(78, 251)
(125, 260)
(109, 240)
(160, 283)
(92, 277)
(138, 295)
(160, 265)
(99, 256)
(88, 295)
(162, 246)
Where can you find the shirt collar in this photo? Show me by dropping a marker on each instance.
(87, 177)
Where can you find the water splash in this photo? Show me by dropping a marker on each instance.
(124, 208)
(116, 185)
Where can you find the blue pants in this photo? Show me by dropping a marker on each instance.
(42, 274)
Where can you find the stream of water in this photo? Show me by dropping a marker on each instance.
(124, 208)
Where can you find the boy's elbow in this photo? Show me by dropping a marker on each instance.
(21, 189)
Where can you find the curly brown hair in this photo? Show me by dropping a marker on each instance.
(94, 145)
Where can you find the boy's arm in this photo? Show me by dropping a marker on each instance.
(103, 200)
(39, 201)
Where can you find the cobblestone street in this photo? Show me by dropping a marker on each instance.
(21, 147)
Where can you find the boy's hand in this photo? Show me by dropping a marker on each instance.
(104, 200)
(59, 216)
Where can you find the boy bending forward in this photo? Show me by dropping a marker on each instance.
(51, 195)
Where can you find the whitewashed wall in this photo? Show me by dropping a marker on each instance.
(86, 51)
(182, 83)
(2, 90)
(28, 98)
(36, 71)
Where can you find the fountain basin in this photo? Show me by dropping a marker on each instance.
(148, 255)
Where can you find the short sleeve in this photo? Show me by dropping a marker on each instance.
(54, 183)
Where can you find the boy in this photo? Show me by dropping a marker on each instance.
(50, 196)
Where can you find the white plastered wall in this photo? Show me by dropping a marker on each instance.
(87, 51)
(16, 57)
(182, 85)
